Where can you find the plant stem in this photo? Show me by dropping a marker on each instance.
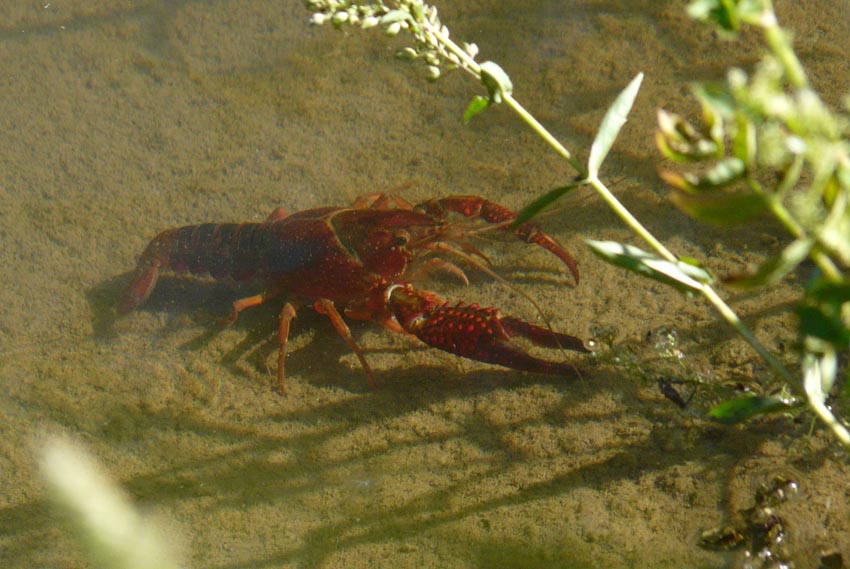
(777, 40)
(471, 66)
(729, 315)
(822, 260)
(545, 134)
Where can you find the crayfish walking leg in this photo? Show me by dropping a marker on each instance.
(475, 332)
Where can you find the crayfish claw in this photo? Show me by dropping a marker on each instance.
(476, 332)
(543, 336)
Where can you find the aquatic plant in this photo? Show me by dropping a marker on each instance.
(772, 122)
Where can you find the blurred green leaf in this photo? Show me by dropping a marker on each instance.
(613, 121)
(496, 81)
(824, 324)
(726, 15)
(681, 142)
(737, 410)
(827, 292)
(685, 277)
(543, 202)
(477, 105)
(744, 145)
(774, 269)
(727, 171)
(716, 99)
(719, 208)
(824, 314)
(721, 13)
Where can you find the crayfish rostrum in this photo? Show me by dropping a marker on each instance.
(356, 261)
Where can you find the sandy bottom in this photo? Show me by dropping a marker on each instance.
(116, 123)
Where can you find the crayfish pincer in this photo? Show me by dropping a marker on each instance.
(357, 261)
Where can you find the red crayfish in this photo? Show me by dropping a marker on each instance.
(356, 261)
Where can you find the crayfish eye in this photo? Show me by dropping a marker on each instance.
(401, 238)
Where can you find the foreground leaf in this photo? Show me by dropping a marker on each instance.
(719, 208)
(737, 410)
(684, 276)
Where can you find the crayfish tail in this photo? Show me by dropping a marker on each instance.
(139, 289)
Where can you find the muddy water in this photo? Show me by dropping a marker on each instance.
(118, 122)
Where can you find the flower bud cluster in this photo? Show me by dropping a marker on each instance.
(432, 43)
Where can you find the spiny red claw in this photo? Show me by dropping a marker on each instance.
(476, 332)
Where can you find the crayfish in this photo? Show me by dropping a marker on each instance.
(356, 261)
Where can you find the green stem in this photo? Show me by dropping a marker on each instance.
(544, 134)
(824, 263)
(472, 67)
(777, 40)
(630, 220)
(729, 315)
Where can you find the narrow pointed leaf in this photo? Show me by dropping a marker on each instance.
(614, 120)
(543, 202)
(685, 277)
(738, 410)
(477, 105)
(719, 208)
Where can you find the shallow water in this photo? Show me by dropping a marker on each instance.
(116, 123)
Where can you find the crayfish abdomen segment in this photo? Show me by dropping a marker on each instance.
(220, 250)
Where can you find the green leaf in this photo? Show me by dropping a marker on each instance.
(737, 410)
(614, 120)
(543, 202)
(725, 172)
(716, 100)
(826, 325)
(496, 81)
(774, 269)
(722, 13)
(477, 105)
(681, 142)
(823, 291)
(685, 277)
(719, 208)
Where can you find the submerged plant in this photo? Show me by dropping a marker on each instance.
(818, 236)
